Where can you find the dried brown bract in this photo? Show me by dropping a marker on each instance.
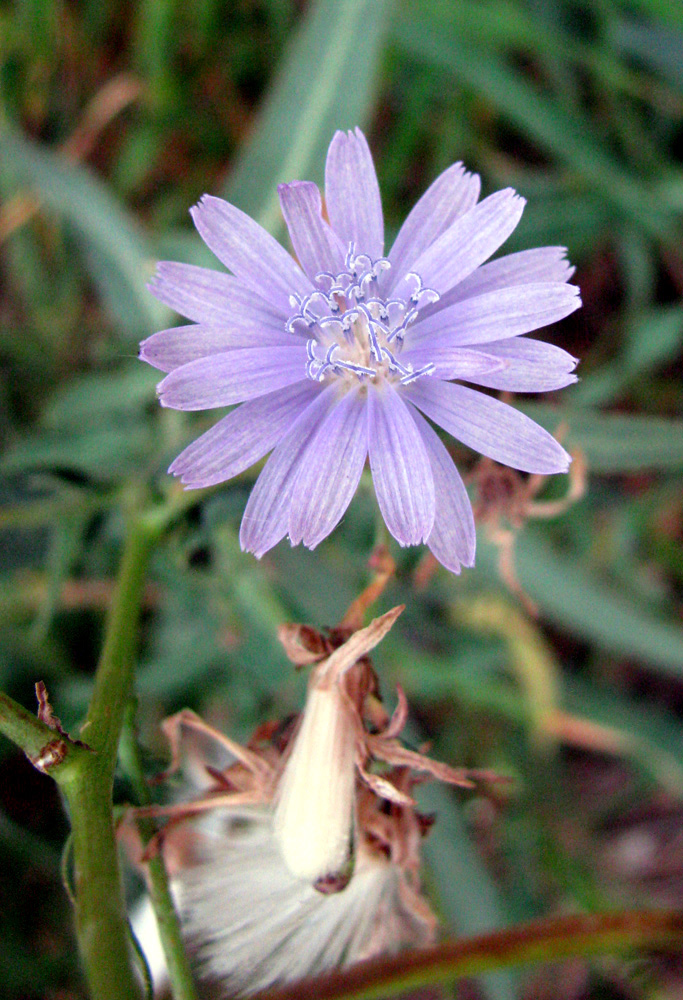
(505, 501)
(311, 830)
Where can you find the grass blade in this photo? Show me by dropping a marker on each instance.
(112, 238)
(326, 82)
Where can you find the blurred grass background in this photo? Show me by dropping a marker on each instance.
(114, 119)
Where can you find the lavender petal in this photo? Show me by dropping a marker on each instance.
(266, 515)
(452, 194)
(467, 243)
(328, 479)
(232, 377)
(401, 471)
(524, 268)
(489, 426)
(352, 194)
(243, 436)
(453, 538)
(496, 315)
(211, 297)
(316, 245)
(529, 366)
(452, 362)
(170, 349)
(249, 252)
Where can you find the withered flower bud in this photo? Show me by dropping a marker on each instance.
(314, 811)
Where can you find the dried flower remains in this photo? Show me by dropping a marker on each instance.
(311, 854)
(341, 356)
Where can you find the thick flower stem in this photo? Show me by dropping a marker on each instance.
(101, 925)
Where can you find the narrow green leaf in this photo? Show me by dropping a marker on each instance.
(103, 453)
(565, 218)
(65, 540)
(112, 238)
(577, 600)
(615, 442)
(671, 13)
(658, 46)
(504, 25)
(653, 735)
(101, 398)
(326, 82)
(555, 129)
(652, 339)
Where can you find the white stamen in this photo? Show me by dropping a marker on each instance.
(353, 326)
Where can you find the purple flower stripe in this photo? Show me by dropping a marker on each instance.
(488, 426)
(515, 365)
(453, 538)
(454, 362)
(505, 312)
(249, 252)
(468, 242)
(171, 349)
(528, 267)
(266, 516)
(354, 204)
(244, 436)
(210, 297)
(328, 478)
(401, 471)
(452, 194)
(316, 245)
(232, 377)
(530, 366)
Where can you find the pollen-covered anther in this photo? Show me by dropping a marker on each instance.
(351, 326)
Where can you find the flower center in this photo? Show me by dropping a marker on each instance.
(354, 333)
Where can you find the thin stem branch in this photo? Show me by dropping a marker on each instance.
(24, 729)
(50, 750)
(179, 972)
(547, 940)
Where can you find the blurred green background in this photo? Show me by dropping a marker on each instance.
(114, 119)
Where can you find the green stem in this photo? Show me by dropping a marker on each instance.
(22, 728)
(179, 972)
(101, 924)
(548, 940)
(51, 751)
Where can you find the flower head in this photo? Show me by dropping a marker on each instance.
(341, 356)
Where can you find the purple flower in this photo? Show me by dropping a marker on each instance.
(344, 354)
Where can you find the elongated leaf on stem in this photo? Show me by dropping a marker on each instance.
(569, 594)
